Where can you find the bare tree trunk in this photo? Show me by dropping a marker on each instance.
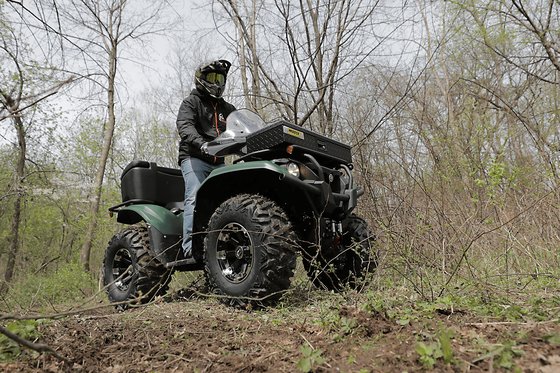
(244, 67)
(107, 142)
(247, 52)
(19, 175)
(320, 44)
(256, 84)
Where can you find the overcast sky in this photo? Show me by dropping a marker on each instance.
(194, 33)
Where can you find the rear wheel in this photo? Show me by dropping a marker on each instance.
(343, 262)
(130, 271)
(249, 251)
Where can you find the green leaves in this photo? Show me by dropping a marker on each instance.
(441, 348)
(503, 355)
(553, 339)
(428, 354)
(311, 359)
(9, 349)
(338, 324)
(444, 338)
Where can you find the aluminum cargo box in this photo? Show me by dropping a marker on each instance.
(282, 134)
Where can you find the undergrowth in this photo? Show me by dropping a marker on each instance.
(68, 285)
(27, 329)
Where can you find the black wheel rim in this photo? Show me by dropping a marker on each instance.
(235, 252)
(123, 271)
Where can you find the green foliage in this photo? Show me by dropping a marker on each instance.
(553, 339)
(404, 312)
(66, 285)
(503, 355)
(428, 354)
(310, 360)
(444, 339)
(140, 135)
(336, 324)
(440, 348)
(498, 175)
(400, 306)
(532, 306)
(26, 329)
(84, 142)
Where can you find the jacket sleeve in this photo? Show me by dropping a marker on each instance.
(230, 108)
(186, 123)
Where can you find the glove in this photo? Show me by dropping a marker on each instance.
(204, 148)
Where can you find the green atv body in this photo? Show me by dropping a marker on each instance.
(282, 197)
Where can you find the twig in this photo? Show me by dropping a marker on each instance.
(309, 343)
(44, 265)
(512, 323)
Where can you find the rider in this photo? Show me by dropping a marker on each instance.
(202, 117)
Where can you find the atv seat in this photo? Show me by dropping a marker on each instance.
(146, 182)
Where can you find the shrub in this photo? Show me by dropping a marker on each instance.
(69, 283)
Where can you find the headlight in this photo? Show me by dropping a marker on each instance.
(293, 169)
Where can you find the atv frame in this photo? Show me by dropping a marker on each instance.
(290, 191)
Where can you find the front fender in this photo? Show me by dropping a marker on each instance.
(222, 182)
(266, 166)
(159, 217)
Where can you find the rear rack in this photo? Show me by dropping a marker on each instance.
(131, 202)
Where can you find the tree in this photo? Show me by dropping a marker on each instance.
(295, 56)
(98, 32)
(23, 86)
(10, 102)
(461, 170)
(524, 36)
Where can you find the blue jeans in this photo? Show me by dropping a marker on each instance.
(194, 172)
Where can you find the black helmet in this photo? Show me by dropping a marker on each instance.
(210, 78)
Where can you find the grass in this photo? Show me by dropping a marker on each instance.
(67, 285)
(369, 323)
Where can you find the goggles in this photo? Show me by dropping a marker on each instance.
(215, 78)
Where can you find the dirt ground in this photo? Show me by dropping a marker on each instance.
(201, 335)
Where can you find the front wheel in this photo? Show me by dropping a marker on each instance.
(343, 262)
(249, 251)
(131, 274)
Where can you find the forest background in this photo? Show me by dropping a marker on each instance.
(451, 108)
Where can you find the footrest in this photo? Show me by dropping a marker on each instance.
(181, 262)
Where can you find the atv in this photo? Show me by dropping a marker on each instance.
(288, 191)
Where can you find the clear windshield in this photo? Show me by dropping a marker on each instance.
(241, 123)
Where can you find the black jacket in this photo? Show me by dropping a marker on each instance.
(201, 119)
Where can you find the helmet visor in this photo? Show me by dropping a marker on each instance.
(215, 78)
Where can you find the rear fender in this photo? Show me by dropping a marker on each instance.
(158, 217)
